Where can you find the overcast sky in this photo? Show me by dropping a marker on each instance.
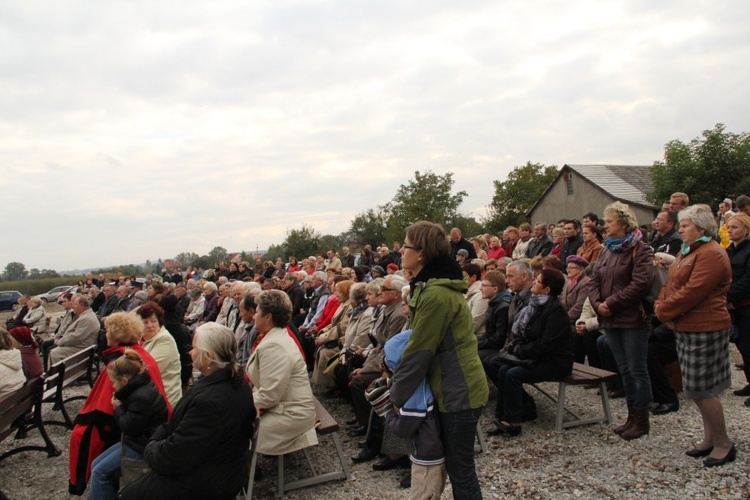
(138, 130)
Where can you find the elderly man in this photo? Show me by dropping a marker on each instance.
(82, 332)
(110, 302)
(247, 333)
(347, 260)
(319, 283)
(123, 298)
(519, 280)
(458, 242)
(211, 307)
(236, 292)
(724, 207)
(541, 243)
(225, 303)
(183, 300)
(332, 262)
(389, 322)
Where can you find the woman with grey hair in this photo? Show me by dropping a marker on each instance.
(202, 451)
(622, 278)
(693, 303)
(278, 374)
(36, 318)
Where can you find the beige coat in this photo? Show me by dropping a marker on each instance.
(83, 332)
(282, 391)
(357, 330)
(331, 333)
(163, 349)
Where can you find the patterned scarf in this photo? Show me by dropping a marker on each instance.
(623, 244)
(354, 312)
(527, 314)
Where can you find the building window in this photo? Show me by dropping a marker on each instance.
(568, 178)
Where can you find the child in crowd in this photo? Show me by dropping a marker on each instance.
(417, 421)
(139, 410)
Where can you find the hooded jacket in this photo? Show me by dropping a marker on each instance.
(443, 347)
(415, 420)
(11, 372)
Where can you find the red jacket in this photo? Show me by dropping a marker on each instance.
(694, 298)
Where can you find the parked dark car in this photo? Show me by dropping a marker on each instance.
(9, 300)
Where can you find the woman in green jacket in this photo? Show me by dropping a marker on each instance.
(443, 348)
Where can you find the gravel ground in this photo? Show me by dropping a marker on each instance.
(583, 462)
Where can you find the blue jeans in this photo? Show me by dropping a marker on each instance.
(459, 430)
(608, 362)
(102, 468)
(630, 349)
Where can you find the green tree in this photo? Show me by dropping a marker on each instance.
(35, 273)
(370, 226)
(218, 253)
(426, 197)
(301, 243)
(15, 271)
(469, 226)
(515, 196)
(190, 258)
(709, 168)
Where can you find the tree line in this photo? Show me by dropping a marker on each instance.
(709, 168)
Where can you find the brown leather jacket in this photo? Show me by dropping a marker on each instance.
(694, 298)
(622, 281)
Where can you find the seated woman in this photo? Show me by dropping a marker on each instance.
(24, 341)
(541, 335)
(11, 366)
(163, 348)
(364, 299)
(278, 374)
(573, 296)
(36, 318)
(95, 429)
(202, 451)
(329, 338)
(558, 240)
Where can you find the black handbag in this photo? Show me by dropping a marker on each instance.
(131, 469)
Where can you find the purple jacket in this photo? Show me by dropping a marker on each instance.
(211, 309)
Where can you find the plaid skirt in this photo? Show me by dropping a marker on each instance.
(704, 362)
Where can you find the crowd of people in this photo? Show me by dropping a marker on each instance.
(414, 339)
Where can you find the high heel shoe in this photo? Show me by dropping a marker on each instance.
(716, 462)
(696, 453)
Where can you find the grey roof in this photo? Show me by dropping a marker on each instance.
(626, 182)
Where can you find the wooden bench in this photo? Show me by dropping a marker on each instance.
(326, 425)
(61, 375)
(581, 375)
(16, 405)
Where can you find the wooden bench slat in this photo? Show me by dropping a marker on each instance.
(326, 423)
